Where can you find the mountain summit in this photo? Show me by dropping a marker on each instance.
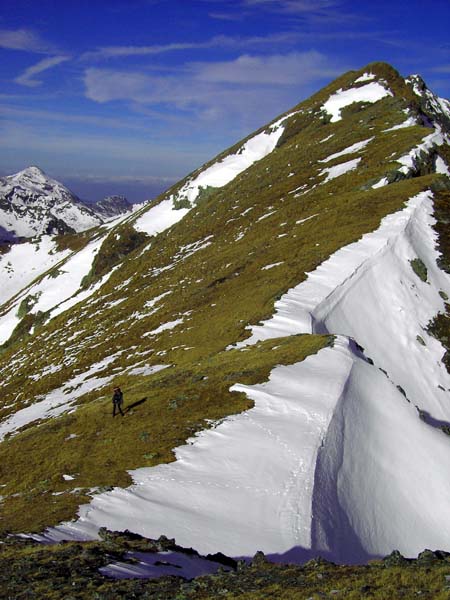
(278, 323)
(31, 203)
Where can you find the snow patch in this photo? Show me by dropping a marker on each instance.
(365, 77)
(164, 327)
(267, 267)
(349, 150)
(224, 171)
(146, 369)
(409, 161)
(372, 92)
(338, 170)
(25, 262)
(160, 217)
(383, 181)
(441, 166)
(409, 122)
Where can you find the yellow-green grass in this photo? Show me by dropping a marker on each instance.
(161, 411)
(354, 583)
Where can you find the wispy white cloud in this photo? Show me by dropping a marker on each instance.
(23, 39)
(236, 16)
(249, 89)
(313, 11)
(121, 51)
(144, 179)
(277, 69)
(220, 41)
(6, 110)
(441, 69)
(190, 84)
(27, 77)
(293, 6)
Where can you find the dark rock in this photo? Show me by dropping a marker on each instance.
(428, 556)
(318, 562)
(394, 559)
(222, 559)
(111, 207)
(259, 559)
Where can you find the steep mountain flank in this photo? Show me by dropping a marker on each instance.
(31, 203)
(278, 282)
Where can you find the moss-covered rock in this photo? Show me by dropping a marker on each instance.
(118, 244)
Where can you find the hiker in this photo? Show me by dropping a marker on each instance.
(117, 401)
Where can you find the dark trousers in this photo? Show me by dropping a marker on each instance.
(118, 406)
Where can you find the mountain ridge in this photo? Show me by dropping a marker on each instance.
(186, 294)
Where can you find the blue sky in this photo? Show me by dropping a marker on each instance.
(128, 96)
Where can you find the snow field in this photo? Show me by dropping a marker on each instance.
(55, 294)
(381, 480)
(160, 217)
(338, 170)
(348, 293)
(349, 150)
(285, 462)
(25, 262)
(371, 92)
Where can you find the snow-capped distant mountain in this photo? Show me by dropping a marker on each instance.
(112, 207)
(31, 203)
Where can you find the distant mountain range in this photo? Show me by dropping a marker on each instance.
(32, 203)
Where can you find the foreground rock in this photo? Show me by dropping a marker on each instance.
(77, 570)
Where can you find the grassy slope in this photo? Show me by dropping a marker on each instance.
(217, 291)
(170, 406)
